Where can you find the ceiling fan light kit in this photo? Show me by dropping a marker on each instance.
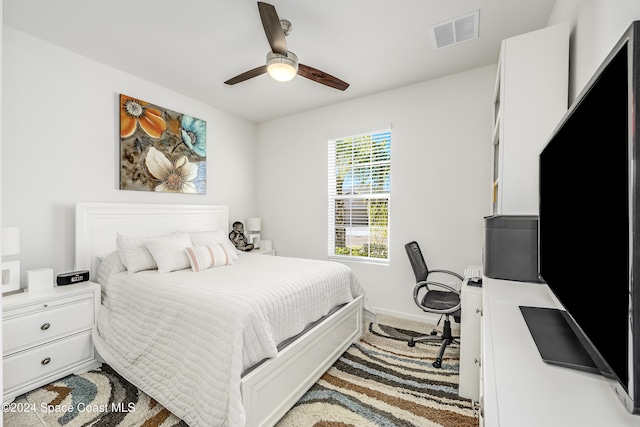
(282, 67)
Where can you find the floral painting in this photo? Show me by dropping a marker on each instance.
(160, 149)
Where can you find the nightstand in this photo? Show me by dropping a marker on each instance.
(47, 335)
(271, 252)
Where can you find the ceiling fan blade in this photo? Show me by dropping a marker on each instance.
(272, 28)
(321, 77)
(247, 75)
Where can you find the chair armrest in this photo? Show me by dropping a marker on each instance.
(459, 277)
(452, 273)
(426, 284)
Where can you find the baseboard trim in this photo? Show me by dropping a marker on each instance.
(426, 317)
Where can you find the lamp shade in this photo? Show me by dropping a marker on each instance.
(282, 67)
(10, 241)
(254, 224)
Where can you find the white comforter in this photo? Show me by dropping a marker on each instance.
(185, 338)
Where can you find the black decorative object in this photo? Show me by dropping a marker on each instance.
(238, 238)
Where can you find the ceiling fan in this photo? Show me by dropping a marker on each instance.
(282, 64)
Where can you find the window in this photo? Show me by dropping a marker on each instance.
(359, 193)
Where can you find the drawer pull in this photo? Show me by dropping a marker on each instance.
(45, 361)
(45, 326)
(45, 305)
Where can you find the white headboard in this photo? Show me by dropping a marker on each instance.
(97, 225)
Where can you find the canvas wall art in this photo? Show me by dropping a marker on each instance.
(160, 149)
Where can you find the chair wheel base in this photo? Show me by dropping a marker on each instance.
(411, 343)
(437, 363)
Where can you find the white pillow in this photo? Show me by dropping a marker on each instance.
(203, 257)
(109, 265)
(169, 253)
(212, 238)
(134, 254)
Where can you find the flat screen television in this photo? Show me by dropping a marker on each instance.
(589, 220)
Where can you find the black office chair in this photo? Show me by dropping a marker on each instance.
(438, 298)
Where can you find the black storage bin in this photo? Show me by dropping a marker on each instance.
(511, 247)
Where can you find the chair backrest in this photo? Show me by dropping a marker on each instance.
(416, 259)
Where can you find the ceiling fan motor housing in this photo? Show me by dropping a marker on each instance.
(286, 26)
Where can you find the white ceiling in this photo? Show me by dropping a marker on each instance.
(193, 46)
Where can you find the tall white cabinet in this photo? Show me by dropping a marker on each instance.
(530, 98)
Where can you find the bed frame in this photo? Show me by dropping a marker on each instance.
(269, 390)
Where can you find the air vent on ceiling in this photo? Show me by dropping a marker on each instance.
(456, 30)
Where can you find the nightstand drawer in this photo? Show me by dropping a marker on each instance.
(40, 362)
(46, 324)
(39, 301)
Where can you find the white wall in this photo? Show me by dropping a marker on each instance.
(1, 55)
(60, 145)
(597, 25)
(440, 182)
(439, 158)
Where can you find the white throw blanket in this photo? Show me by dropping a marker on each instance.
(185, 338)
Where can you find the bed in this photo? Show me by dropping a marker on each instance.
(236, 344)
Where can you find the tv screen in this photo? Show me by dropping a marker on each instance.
(587, 218)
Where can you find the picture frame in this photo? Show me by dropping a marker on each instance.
(254, 239)
(161, 150)
(10, 276)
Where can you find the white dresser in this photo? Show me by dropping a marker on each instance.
(47, 335)
(517, 387)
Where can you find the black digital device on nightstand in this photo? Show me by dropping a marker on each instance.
(72, 277)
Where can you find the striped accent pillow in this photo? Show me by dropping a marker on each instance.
(203, 257)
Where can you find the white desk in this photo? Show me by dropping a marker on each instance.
(518, 388)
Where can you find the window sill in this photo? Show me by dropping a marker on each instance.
(359, 260)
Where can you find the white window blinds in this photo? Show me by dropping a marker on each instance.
(359, 193)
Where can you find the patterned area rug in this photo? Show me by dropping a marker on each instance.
(379, 381)
(100, 398)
